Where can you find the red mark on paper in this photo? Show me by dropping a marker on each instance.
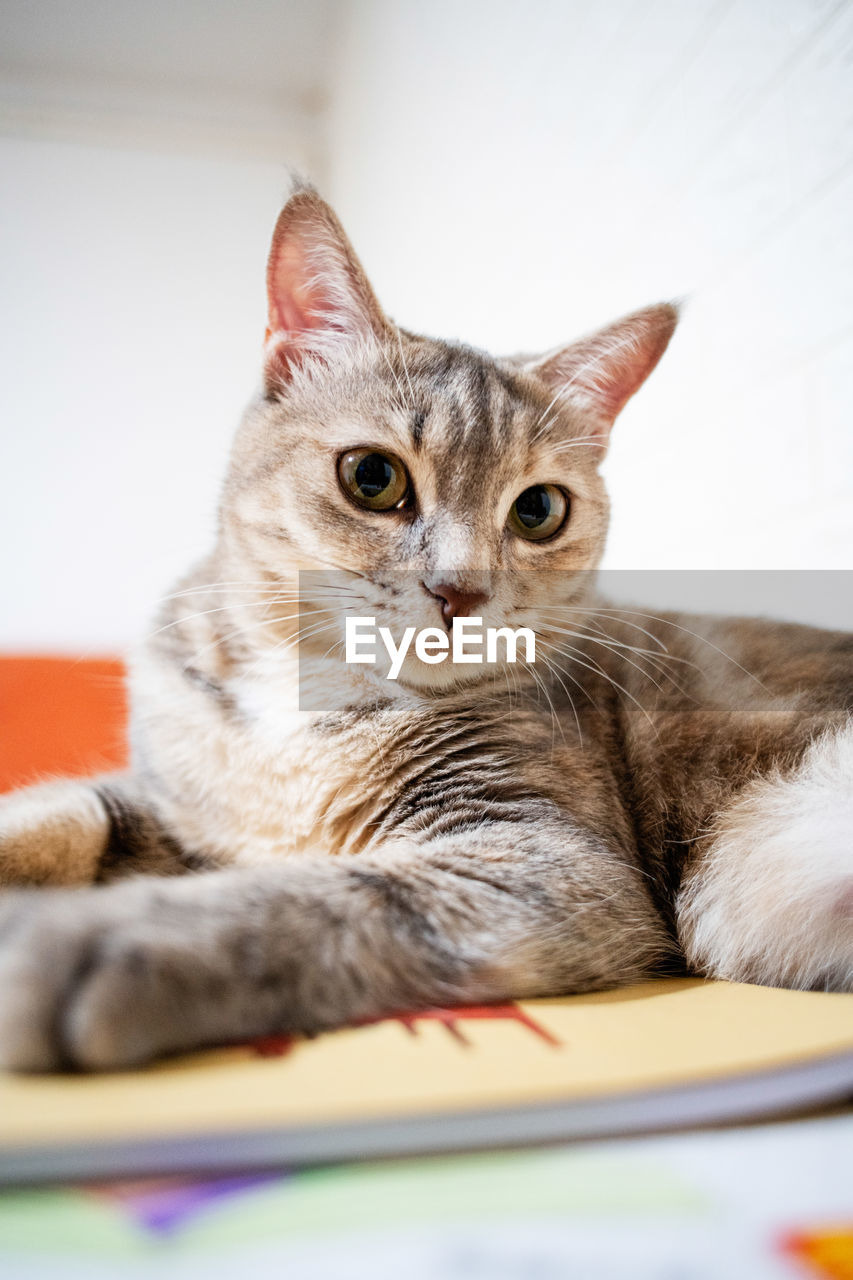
(450, 1018)
(272, 1046)
(279, 1046)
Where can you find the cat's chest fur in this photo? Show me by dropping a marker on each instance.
(244, 775)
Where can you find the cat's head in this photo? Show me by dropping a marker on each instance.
(439, 479)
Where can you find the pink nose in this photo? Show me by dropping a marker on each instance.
(456, 603)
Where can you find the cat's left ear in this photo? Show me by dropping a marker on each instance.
(319, 299)
(602, 371)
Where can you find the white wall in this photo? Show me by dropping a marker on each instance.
(144, 155)
(514, 174)
(132, 287)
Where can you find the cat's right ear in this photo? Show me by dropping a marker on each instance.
(319, 299)
(603, 370)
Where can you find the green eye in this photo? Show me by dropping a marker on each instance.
(378, 481)
(539, 512)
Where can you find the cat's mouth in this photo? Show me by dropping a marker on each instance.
(466, 649)
(399, 650)
(433, 634)
(437, 681)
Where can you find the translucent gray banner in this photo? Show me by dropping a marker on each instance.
(395, 634)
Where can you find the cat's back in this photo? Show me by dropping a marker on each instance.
(709, 704)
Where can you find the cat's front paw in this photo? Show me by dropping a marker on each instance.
(110, 978)
(70, 969)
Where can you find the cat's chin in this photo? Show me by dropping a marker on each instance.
(438, 681)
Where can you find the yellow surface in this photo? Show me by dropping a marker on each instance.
(666, 1033)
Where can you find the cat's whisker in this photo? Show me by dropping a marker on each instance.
(608, 649)
(394, 376)
(264, 585)
(601, 636)
(553, 669)
(594, 640)
(283, 646)
(615, 646)
(595, 612)
(413, 404)
(555, 720)
(577, 655)
(340, 568)
(544, 414)
(512, 689)
(591, 619)
(225, 608)
(243, 585)
(302, 632)
(244, 630)
(579, 632)
(558, 396)
(557, 649)
(580, 442)
(509, 690)
(668, 622)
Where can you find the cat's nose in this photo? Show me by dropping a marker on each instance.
(456, 603)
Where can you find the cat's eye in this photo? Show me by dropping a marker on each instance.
(378, 481)
(539, 512)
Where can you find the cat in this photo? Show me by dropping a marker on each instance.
(656, 794)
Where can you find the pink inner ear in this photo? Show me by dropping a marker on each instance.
(631, 355)
(608, 367)
(318, 296)
(316, 292)
(296, 301)
(615, 375)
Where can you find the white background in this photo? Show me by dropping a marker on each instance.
(511, 173)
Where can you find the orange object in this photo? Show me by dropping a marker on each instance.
(60, 717)
(828, 1253)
